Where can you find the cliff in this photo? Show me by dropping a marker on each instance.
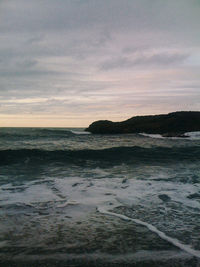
(172, 124)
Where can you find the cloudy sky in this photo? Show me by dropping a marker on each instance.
(70, 62)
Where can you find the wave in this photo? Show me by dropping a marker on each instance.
(37, 133)
(193, 135)
(80, 132)
(56, 131)
(153, 229)
(114, 155)
(159, 136)
(189, 136)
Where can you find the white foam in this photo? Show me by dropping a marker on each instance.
(152, 135)
(33, 193)
(80, 132)
(79, 196)
(67, 203)
(188, 136)
(193, 135)
(152, 228)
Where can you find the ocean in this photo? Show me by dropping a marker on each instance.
(70, 198)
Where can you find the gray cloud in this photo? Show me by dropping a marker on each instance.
(113, 14)
(98, 53)
(162, 59)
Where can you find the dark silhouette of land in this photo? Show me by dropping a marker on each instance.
(172, 124)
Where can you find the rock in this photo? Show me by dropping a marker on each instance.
(194, 196)
(76, 184)
(164, 197)
(124, 180)
(171, 125)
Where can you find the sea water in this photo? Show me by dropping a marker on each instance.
(70, 198)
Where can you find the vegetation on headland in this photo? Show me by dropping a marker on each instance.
(172, 124)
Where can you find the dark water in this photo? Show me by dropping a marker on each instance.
(69, 198)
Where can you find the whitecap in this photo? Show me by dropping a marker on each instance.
(152, 135)
(193, 135)
(153, 229)
(79, 132)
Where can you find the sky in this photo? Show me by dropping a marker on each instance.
(67, 63)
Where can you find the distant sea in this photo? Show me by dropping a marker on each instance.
(70, 198)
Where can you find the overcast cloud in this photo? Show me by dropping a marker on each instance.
(76, 61)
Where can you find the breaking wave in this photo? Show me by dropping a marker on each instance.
(37, 133)
(129, 155)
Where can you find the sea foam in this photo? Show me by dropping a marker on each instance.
(153, 229)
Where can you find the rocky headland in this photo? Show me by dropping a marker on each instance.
(174, 124)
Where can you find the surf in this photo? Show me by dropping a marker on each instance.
(153, 229)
